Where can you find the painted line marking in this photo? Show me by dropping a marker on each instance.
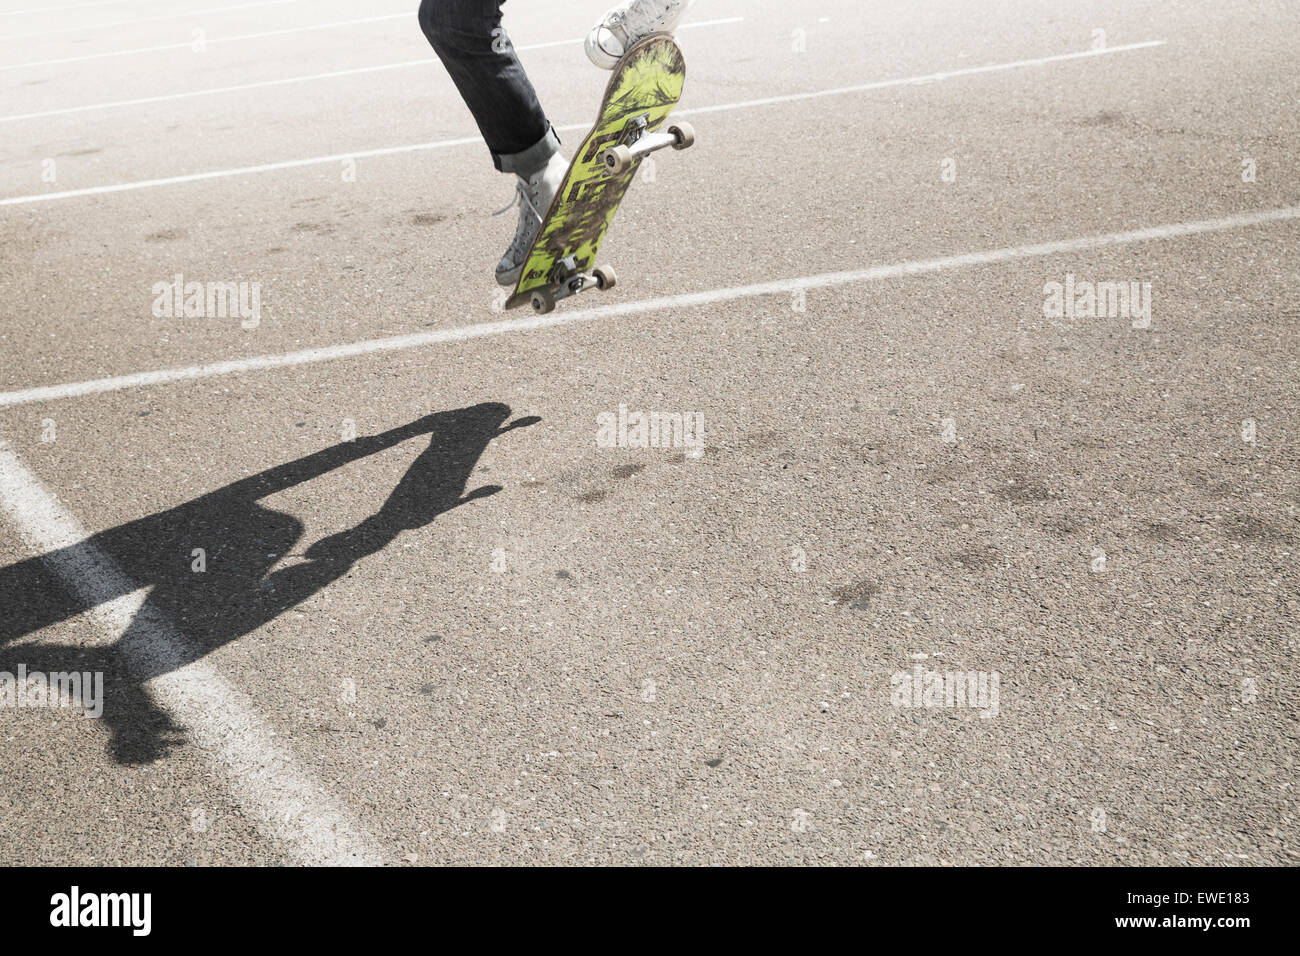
(243, 170)
(287, 804)
(426, 62)
(931, 77)
(569, 127)
(82, 28)
(681, 301)
(207, 41)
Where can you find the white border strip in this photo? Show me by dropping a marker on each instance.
(287, 805)
(66, 6)
(683, 301)
(419, 147)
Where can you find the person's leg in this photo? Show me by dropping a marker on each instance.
(468, 38)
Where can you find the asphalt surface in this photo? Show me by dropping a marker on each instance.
(479, 636)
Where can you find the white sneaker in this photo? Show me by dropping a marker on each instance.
(627, 23)
(534, 196)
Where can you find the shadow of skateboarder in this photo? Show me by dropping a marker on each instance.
(237, 593)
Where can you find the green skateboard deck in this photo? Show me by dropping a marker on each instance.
(645, 86)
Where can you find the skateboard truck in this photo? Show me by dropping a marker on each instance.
(635, 143)
(566, 279)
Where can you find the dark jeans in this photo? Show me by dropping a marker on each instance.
(468, 38)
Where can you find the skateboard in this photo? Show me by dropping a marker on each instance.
(645, 86)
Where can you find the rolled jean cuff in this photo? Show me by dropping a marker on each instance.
(530, 160)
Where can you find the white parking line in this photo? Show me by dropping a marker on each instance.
(428, 62)
(931, 77)
(246, 170)
(682, 301)
(441, 144)
(84, 27)
(208, 41)
(287, 804)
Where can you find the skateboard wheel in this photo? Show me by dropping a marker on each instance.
(618, 159)
(685, 134)
(542, 301)
(606, 277)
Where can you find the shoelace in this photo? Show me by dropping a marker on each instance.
(521, 195)
(521, 198)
